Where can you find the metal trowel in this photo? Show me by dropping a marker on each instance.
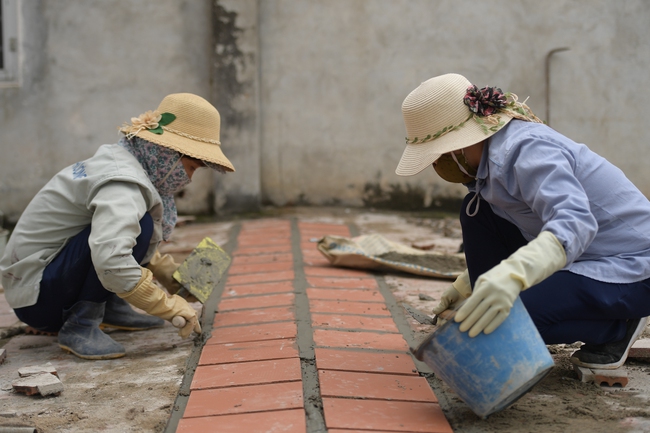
(200, 273)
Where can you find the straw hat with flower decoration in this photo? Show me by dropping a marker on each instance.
(448, 113)
(186, 123)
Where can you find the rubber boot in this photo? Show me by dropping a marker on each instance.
(80, 333)
(119, 314)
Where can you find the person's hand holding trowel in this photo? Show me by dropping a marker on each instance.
(163, 268)
(152, 299)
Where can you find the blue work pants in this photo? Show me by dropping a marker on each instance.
(566, 307)
(71, 277)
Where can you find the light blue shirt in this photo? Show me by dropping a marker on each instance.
(540, 180)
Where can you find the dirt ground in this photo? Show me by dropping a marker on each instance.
(126, 396)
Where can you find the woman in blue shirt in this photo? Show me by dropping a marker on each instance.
(546, 219)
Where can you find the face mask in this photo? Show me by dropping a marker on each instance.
(452, 170)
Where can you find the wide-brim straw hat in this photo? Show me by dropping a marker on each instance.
(194, 130)
(437, 122)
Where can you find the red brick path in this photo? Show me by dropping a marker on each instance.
(249, 377)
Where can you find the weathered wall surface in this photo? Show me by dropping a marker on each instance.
(335, 72)
(88, 67)
(310, 90)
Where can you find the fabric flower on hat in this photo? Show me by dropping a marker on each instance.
(148, 120)
(486, 101)
(152, 121)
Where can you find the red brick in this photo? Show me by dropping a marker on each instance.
(362, 308)
(314, 257)
(249, 351)
(260, 267)
(640, 349)
(599, 377)
(376, 386)
(365, 361)
(366, 295)
(336, 430)
(315, 260)
(263, 237)
(262, 258)
(263, 241)
(258, 289)
(343, 283)
(285, 421)
(252, 251)
(397, 416)
(366, 323)
(277, 300)
(266, 222)
(239, 334)
(332, 271)
(315, 230)
(360, 340)
(264, 277)
(246, 373)
(261, 315)
(244, 399)
(307, 245)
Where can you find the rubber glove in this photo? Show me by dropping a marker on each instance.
(496, 290)
(459, 290)
(163, 267)
(152, 299)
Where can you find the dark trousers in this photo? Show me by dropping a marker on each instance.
(565, 307)
(71, 278)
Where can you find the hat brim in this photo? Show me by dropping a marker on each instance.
(204, 151)
(417, 157)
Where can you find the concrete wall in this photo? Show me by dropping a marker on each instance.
(310, 90)
(335, 72)
(87, 67)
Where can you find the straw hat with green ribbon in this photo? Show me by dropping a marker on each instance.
(186, 123)
(448, 113)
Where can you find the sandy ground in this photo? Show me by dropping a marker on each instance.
(126, 396)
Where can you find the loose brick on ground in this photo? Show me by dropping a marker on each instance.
(617, 377)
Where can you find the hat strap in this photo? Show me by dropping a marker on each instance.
(191, 137)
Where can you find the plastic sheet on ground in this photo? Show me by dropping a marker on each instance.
(376, 252)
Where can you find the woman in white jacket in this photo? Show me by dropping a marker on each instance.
(87, 242)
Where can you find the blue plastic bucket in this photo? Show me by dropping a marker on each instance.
(489, 372)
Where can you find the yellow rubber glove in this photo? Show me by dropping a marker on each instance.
(150, 298)
(496, 290)
(459, 290)
(163, 267)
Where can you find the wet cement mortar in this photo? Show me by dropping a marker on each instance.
(140, 392)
